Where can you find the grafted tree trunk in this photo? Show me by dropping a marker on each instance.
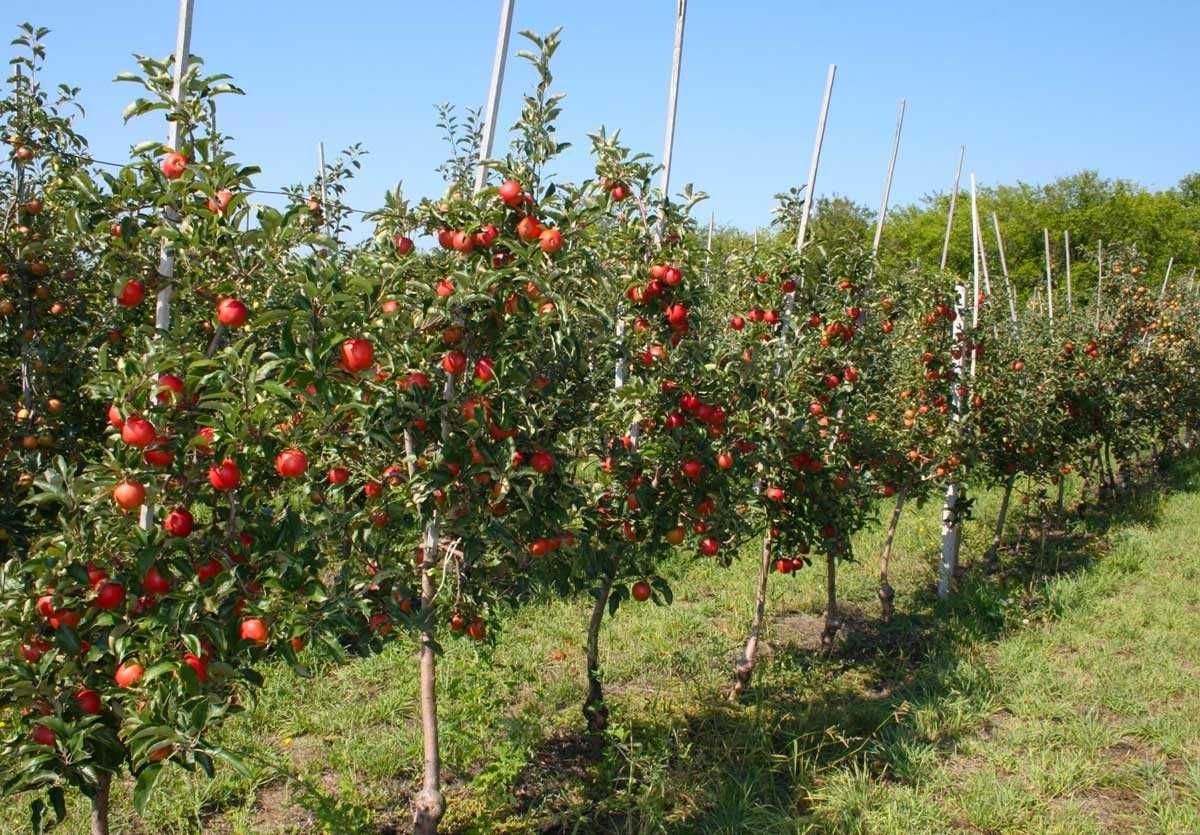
(998, 536)
(887, 594)
(429, 805)
(833, 620)
(743, 669)
(595, 712)
(1045, 524)
(100, 804)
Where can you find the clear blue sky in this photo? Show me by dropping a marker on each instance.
(1033, 89)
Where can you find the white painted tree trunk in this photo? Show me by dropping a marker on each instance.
(951, 527)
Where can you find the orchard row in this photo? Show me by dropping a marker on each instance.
(230, 437)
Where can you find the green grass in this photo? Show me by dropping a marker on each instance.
(1062, 696)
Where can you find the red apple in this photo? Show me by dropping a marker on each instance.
(291, 463)
(128, 674)
(224, 476)
(254, 630)
(137, 432)
(129, 495)
(510, 193)
(550, 240)
(179, 522)
(110, 596)
(173, 165)
(357, 354)
(231, 313)
(88, 701)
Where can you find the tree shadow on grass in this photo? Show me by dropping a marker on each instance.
(887, 702)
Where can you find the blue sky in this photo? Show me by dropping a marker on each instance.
(1033, 89)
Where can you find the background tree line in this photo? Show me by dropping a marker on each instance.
(1160, 224)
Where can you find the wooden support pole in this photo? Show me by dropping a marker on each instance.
(166, 259)
(324, 184)
(166, 253)
(673, 98)
(488, 135)
(1049, 279)
(1012, 300)
(811, 187)
(887, 182)
(962, 152)
(1067, 255)
(1163, 291)
(976, 247)
(979, 260)
(1099, 280)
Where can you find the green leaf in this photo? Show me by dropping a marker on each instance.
(146, 779)
(67, 639)
(233, 761)
(59, 801)
(158, 669)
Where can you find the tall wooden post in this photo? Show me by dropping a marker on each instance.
(166, 254)
(673, 97)
(324, 184)
(1012, 300)
(887, 182)
(166, 259)
(962, 152)
(976, 248)
(1049, 279)
(1163, 291)
(488, 135)
(1099, 280)
(811, 187)
(1067, 255)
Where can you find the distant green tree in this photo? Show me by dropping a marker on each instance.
(1160, 224)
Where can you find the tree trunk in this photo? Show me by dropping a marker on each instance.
(991, 559)
(832, 620)
(951, 531)
(100, 804)
(429, 805)
(1042, 537)
(1058, 501)
(744, 667)
(887, 594)
(595, 712)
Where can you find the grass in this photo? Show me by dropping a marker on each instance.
(1062, 696)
